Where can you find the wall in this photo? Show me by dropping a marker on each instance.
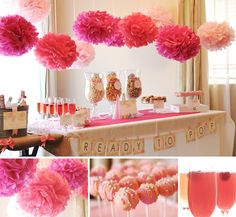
(159, 75)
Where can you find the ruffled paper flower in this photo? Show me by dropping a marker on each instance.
(177, 42)
(56, 51)
(138, 30)
(17, 35)
(15, 174)
(159, 16)
(73, 170)
(94, 26)
(46, 196)
(216, 36)
(117, 38)
(86, 54)
(34, 10)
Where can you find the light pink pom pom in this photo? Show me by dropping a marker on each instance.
(15, 174)
(216, 36)
(46, 196)
(34, 10)
(56, 51)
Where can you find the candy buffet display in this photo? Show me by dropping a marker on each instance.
(113, 87)
(134, 184)
(134, 86)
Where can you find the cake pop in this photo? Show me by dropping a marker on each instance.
(129, 181)
(145, 178)
(107, 189)
(114, 174)
(148, 193)
(98, 171)
(166, 187)
(95, 182)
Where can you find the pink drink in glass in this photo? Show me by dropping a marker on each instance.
(226, 190)
(202, 193)
(72, 108)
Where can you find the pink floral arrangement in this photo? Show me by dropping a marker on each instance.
(94, 26)
(15, 174)
(216, 36)
(73, 170)
(56, 51)
(159, 16)
(46, 196)
(138, 30)
(34, 10)
(86, 54)
(177, 42)
(17, 35)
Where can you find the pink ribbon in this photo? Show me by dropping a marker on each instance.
(7, 143)
(45, 138)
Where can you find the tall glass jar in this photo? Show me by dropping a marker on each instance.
(133, 84)
(94, 91)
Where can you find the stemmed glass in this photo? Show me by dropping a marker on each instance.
(201, 188)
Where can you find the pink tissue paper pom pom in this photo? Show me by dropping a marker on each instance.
(94, 26)
(216, 36)
(17, 35)
(56, 51)
(177, 42)
(159, 16)
(73, 170)
(46, 196)
(86, 54)
(15, 174)
(34, 10)
(138, 30)
(83, 190)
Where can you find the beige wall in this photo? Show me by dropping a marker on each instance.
(159, 75)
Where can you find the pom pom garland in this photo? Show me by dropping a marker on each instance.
(73, 170)
(34, 10)
(15, 174)
(94, 26)
(46, 196)
(216, 36)
(56, 51)
(177, 42)
(17, 35)
(138, 30)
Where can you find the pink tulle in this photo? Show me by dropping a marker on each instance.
(73, 170)
(117, 38)
(56, 51)
(86, 54)
(34, 10)
(138, 30)
(46, 196)
(17, 35)
(158, 15)
(14, 174)
(177, 42)
(94, 26)
(216, 36)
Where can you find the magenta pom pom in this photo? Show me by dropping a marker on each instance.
(73, 170)
(34, 10)
(216, 36)
(94, 26)
(56, 51)
(17, 35)
(14, 174)
(177, 42)
(86, 54)
(138, 30)
(46, 196)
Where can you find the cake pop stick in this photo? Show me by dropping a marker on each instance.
(99, 206)
(164, 207)
(147, 210)
(112, 209)
(128, 213)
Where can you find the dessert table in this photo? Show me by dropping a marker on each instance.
(139, 136)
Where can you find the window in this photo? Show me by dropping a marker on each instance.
(21, 73)
(222, 64)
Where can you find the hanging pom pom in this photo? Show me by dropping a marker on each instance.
(17, 35)
(138, 30)
(216, 36)
(94, 26)
(56, 51)
(73, 170)
(34, 10)
(15, 174)
(177, 42)
(86, 54)
(46, 196)
(159, 16)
